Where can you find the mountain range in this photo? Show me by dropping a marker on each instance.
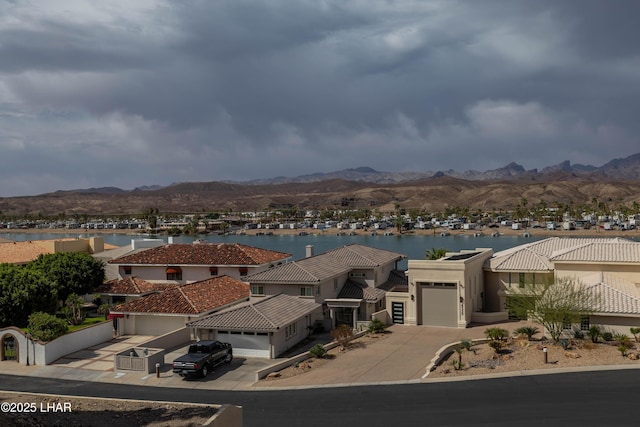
(614, 183)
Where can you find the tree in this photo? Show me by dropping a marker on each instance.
(553, 305)
(435, 253)
(46, 327)
(22, 291)
(70, 272)
(73, 309)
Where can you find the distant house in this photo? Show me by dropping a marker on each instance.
(24, 252)
(348, 281)
(184, 263)
(263, 328)
(162, 312)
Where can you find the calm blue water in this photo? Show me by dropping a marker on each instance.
(413, 246)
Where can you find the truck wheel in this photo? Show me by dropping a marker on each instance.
(228, 358)
(205, 371)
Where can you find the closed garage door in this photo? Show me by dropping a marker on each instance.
(247, 344)
(439, 305)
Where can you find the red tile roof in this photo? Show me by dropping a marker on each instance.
(190, 299)
(131, 286)
(223, 254)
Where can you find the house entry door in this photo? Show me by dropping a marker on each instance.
(397, 312)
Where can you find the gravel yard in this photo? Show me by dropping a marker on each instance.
(523, 355)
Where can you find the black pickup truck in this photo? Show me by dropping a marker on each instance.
(202, 357)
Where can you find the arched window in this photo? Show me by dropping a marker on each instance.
(174, 273)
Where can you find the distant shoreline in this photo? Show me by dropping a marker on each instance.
(505, 231)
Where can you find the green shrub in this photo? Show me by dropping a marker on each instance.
(318, 351)
(578, 333)
(496, 345)
(498, 334)
(45, 327)
(594, 333)
(528, 331)
(635, 332)
(623, 340)
(607, 336)
(377, 326)
(623, 350)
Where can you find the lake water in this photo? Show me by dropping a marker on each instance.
(413, 246)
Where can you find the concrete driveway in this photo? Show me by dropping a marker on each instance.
(402, 356)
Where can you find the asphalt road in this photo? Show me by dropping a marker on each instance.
(575, 399)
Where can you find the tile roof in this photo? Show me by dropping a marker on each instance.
(541, 255)
(361, 256)
(305, 271)
(131, 286)
(397, 282)
(616, 295)
(221, 254)
(267, 315)
(326, 265)
(190, 299)
(355, 290)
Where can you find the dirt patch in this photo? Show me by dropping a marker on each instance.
(31, 410)
(314, 363)
(522, 355)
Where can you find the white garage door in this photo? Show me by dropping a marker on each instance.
(247, 344)
(439, 306)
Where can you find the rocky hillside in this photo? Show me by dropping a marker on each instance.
(433, 194)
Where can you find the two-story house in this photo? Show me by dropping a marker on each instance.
(474, 285)
(347, 281)
(184, 263)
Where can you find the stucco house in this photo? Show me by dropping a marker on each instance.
(473, 286)
(184, 263)
(262, 328)
(161, 312)
(348, 281)
(22, 253)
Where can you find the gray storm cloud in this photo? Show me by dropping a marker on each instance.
(153, 92)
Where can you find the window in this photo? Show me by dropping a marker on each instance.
(584, 323)
(356, 275)
(257, 290)
(243, 271)
(521, 280)
(213, 271)
(127, 269)
(174, 273)
(306, 291)
(290, 331)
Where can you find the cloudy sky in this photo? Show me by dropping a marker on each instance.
(142, 92)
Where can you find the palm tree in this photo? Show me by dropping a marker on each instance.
(435, 253)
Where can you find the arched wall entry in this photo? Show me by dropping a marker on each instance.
(9, 348)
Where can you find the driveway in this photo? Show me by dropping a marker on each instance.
(402, 356)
